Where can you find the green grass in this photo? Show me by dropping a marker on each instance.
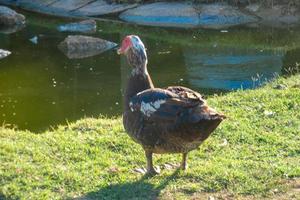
(94, 158)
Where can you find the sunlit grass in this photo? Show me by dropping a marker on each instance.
(254, 152)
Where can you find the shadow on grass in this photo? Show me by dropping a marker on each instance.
(140, 189)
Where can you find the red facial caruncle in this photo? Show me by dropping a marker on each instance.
(126, 44)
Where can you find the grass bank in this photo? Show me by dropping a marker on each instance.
(253, 154)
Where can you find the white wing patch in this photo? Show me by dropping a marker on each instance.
(149, 108)
(131, 106)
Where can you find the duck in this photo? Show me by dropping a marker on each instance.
(171, 120)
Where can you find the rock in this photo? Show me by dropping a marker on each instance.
(280, 87)
(9, 17)
(4, 53)
(10, 21)
(86, 26)
(79, 46)
(269, 113)
(254, 7)
(222, 15)
(181, 14)
(34, 40)
(101, 7)
(169, 14)
(279, 16)
(69, 5)
(40, 6)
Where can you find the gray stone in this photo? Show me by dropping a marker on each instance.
(38, 2)
(182, 14)
(280, 87)
(4, 53)
(35, 5)
(34, 40)
(35, 2)
(221, 15)
(79, 46)
(69, 5)
(101, 7)
(169, 14)
(86, 26)
(253, 7)
(279, 16)
(9, 17)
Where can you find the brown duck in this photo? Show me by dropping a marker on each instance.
(170, 120)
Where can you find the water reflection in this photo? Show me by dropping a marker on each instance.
(40, 87)
(230, 68)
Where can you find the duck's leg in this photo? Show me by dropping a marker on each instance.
(183, 165)
(150, 168)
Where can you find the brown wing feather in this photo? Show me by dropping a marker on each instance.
(191, 95)
(185, 92)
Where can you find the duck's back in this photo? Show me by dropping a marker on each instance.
(171, 120)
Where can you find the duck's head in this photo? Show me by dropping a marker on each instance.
(133, 48)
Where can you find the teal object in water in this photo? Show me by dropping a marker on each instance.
(4, 53)
(86, 26)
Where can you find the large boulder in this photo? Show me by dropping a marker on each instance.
(4, 53)
(169, 14)
(279, 16)
(182, 14)
(222, 15)
(86, 26)
(9, 17)
(102, 7)
(79, 46)
(71, 7)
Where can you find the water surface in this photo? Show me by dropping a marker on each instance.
(40, 87)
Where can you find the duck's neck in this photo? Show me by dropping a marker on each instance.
(139, 81)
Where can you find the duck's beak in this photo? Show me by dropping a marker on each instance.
(122, 50)
(119, 51)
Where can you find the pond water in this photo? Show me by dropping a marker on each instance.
(40, 87)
